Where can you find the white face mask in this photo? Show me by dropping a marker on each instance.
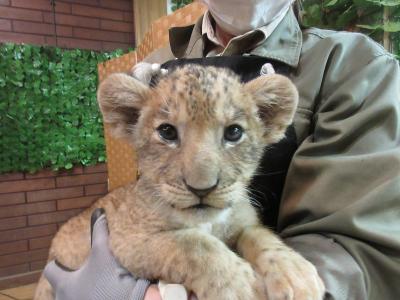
(240, 16)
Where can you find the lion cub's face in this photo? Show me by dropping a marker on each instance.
(200, 133)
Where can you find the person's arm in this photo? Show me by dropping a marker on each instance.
(341, 202)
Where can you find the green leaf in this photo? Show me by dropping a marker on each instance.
(330, 3)
(391, 27)
(384, 2)
(346, 17)
(48, 110)
(388, 27)
(313, 15)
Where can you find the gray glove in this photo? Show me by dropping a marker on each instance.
(100, 277)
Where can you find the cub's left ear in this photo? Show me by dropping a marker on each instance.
(276, 98)
(121, 98)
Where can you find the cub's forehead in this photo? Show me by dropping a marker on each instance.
(201, 92)
(208, 80)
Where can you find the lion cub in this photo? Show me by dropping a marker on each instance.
(199, 136)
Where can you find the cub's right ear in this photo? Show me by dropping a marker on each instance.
(121, 98)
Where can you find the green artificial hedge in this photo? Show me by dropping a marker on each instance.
(48, 111)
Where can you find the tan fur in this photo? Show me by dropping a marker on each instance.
(154, 232)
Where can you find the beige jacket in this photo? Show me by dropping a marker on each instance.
(341, 200)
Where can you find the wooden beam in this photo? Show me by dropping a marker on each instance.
(145, 12)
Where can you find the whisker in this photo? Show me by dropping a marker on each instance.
(252, 200)
(258, 173)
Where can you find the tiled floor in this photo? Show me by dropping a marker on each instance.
(19, 293)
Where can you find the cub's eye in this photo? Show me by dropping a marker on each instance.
(233, 133)
(167, 132)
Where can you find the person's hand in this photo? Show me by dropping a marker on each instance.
(169, 292)
(100, 277)
(153, 293)
(175, 291)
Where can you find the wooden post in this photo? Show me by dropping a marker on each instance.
(145, 12)
(386, 34)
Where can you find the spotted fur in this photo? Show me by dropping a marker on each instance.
(156, 228)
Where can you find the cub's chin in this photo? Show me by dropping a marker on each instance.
(197, 214)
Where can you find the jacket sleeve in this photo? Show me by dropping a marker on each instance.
(341, 202)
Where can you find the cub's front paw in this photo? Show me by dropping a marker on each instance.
(289, 276)
(237, 282)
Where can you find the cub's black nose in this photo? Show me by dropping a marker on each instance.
(201, 193)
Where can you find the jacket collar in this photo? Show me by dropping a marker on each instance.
(283, 45)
